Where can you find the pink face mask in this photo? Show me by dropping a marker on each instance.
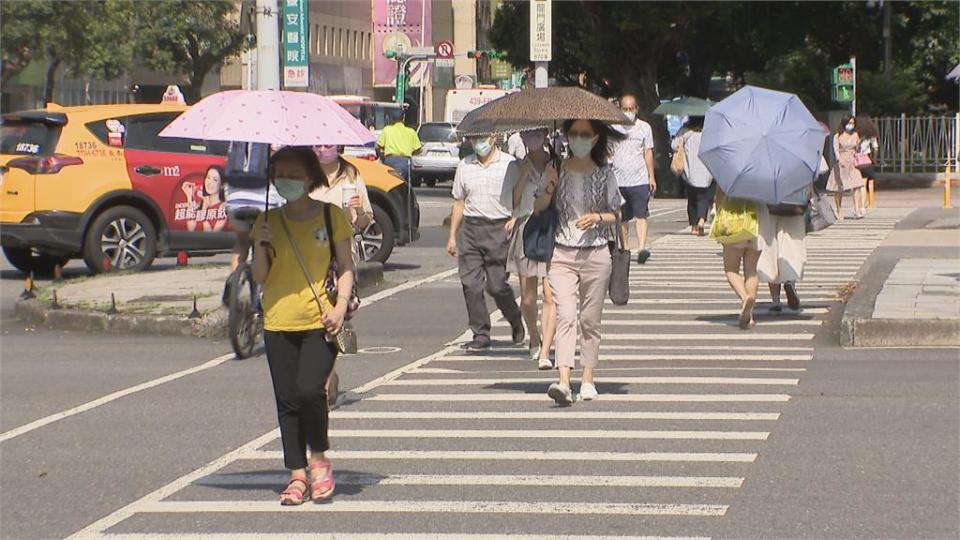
(328, 154)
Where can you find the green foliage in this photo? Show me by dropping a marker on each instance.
(192, 37)
(20, 34)
(888, 94)
(679, 46)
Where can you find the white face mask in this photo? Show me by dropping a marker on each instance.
(581, 147)
(290, 189)
(482, 147)
(851, 127)
(632, 116)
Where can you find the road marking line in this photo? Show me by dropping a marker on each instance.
(374, 536)
(47, 420)
(520, 455)
(352, 479)
(704, 348)
(744, 336)
(631, 368)
(671, 398)
(36, 424)
(719, 324)
(698, 301)
(445, 507)
(649, 358)
(808, 311)
(540, 415)
(586, 434)
(612, 380)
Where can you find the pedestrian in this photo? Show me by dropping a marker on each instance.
(783, 253)
(744, 254)
(533, 173)
(634, 168)
(587, 200)
(845, 176)
(246, 190)
(516, 146)
(398, 144)
(866, 157)
(482, 201)
(291, 259)
(700, 185)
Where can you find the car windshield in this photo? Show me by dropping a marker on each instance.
(28, 138)
(437, 133)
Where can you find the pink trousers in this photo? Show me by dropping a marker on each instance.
(579, 279)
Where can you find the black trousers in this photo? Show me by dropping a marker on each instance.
(482, 262)
(698, 202)
(300, 363)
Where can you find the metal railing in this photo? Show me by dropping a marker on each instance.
(918, 144)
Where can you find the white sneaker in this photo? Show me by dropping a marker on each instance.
(588, 392)
(560, 393)
(544, 364)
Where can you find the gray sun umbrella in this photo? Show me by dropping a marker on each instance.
(539, 107)
(685, 106)
(954, 74)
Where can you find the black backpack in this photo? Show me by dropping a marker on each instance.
(247, 165)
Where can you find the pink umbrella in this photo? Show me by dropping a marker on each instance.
(270, 116)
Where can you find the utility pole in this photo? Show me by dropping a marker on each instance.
(887, 37)
(853, 104)
(268, 48)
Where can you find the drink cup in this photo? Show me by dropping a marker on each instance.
(349, 192)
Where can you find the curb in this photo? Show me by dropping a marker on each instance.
(214, 324)
(868, 332)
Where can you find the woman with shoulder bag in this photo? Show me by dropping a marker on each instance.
(291, 260)
(534, 171)
(587, 201)
(699, 182)
(783, 252)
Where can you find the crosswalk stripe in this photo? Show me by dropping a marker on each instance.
(552, 415)
(458, 507)
(806, 311)
(521, 455)
(722, 323)
(586, 434)
(372, 536)
(623, 398)
(650, 357)
(647, 347)
(745, 336)
(353, 479)
(620, 380)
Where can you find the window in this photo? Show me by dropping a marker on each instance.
(28, 138)
(143, 133)
(316, 39)
(355, 47)
(326, 47)
(437, 133)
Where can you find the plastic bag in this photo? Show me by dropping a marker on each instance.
(736, 221)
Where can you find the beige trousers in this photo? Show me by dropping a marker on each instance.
(579, 280)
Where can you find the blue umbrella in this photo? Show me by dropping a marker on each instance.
(762, 145)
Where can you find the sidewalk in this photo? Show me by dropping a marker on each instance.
(154, 302)
(909, 294)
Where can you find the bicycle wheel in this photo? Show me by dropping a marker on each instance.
(243, 316)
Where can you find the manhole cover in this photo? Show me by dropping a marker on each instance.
(379, 350)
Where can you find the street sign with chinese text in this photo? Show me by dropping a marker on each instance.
(540, 31)
(400, 22)
(295, 39)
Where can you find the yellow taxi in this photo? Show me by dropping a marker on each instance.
(98, 182)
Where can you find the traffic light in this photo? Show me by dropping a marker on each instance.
(842, 90)
(390, 54)
(476, 55)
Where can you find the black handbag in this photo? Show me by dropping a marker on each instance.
(619, 288)
(539, 235)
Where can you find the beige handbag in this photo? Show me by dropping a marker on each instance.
(679, 162)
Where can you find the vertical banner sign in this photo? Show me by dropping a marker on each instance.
(399, 25)
(540, 30)
(295, 38)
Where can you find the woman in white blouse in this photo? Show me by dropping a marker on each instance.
(700, 187)
(346, 189)
(587, 201)
(533, 167)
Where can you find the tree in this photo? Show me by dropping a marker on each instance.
(91, 38)
(192, 37)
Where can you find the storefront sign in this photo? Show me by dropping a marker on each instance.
(399, 25)
(295, 39)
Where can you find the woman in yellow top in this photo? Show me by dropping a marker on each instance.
(296, 331)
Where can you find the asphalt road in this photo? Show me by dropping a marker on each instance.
(775, 433)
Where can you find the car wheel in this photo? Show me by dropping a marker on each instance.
(379, 237)
(123, 235)
(29, 260)
(431, 182)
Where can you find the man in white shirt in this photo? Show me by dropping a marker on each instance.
(634, 166)
(483, 200)
(515, 146)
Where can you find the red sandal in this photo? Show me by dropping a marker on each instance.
(294, 495)
(321, 480)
